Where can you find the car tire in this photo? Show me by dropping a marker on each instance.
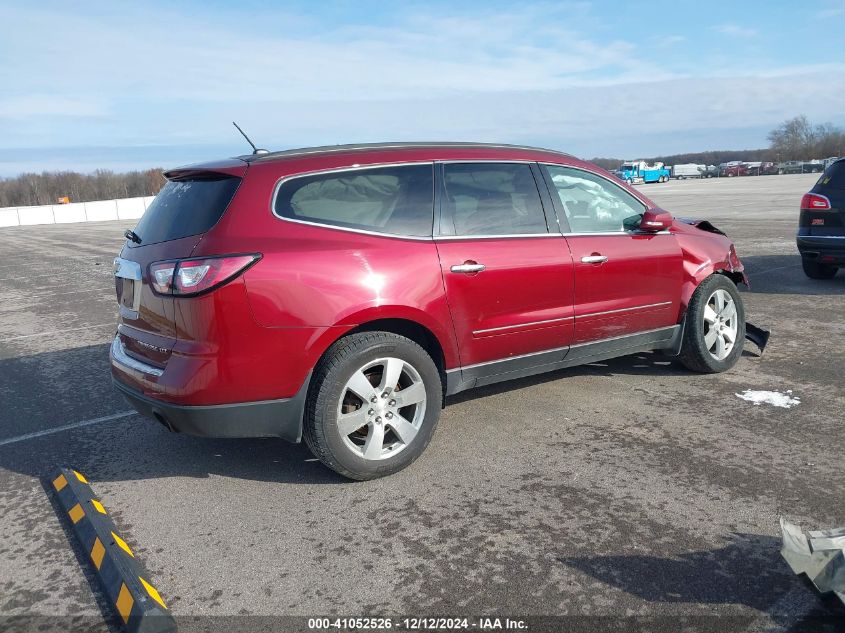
(353, 379)
(706, 347)
(815, 270)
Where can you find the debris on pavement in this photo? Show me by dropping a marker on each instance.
(757, 335)
(820, 555)
(784, 400)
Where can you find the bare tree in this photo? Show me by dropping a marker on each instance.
(47, 187)
(830, 141)
(798, 139)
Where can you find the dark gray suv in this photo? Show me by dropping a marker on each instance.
(821, 227)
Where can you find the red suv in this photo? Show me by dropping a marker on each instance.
(340, 293)
(730, 170)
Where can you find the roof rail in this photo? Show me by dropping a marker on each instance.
(329, 149)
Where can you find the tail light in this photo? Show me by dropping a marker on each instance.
(189, 277)
(815, 202)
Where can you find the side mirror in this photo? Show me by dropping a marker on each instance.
(655, 220)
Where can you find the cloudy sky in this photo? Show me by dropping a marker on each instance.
(131, 85)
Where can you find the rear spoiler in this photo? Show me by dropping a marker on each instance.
(229, 167)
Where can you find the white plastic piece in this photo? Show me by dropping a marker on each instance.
(820, 555)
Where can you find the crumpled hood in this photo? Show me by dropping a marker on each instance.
(703, 225)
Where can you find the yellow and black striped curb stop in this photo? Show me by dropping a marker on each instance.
(123, 578)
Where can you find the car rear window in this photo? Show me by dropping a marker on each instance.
(834, 176)
(395, 200)
(187, 206)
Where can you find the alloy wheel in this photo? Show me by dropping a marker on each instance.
(720, 324)
(381, 408)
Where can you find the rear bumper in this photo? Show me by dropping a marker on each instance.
(267, 418)
(832, 248)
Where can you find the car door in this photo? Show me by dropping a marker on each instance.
(626, 281)
(508, 279)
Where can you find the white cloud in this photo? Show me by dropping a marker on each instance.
(830, 13)
(146, 77)
(734, 30)
(44, 105)
(670, 116)
(186, 58)
(669, 40)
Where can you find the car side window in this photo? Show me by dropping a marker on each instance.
(490, 199)
(395, 200)
(593, 204)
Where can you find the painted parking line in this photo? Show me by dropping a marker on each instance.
(67, 427)
(72, 329)
(770, 270)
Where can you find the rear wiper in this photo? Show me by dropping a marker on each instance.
(132, 236)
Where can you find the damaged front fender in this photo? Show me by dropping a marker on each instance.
(706, 250)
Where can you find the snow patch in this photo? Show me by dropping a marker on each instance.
(775, 398)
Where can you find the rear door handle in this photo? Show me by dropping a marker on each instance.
(594, 259)
(468, 267)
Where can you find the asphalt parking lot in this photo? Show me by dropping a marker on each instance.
(625, 488)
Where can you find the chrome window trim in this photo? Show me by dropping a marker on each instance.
(594, 233)
(354, 167)
(822, 237)
(472, 161)
(120, 357)
(553, 234)
(618, 233)
(493, 237)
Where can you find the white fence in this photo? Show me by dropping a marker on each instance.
(98, 211)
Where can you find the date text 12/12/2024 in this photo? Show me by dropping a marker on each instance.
(418, 624)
